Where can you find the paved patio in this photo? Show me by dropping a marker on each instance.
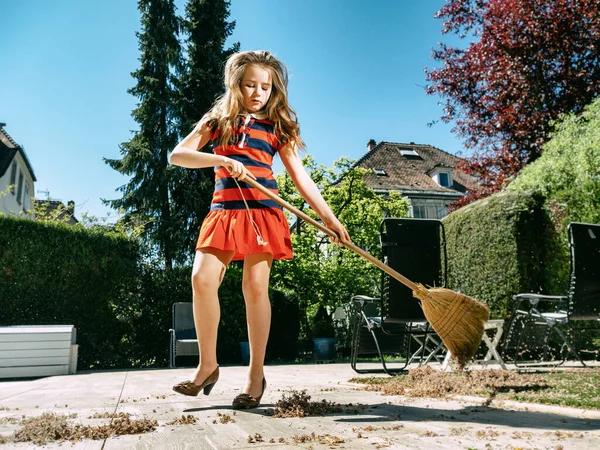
(383, 421)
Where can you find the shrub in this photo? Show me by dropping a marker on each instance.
(500, 246)
(322, 324)
(568, 171)
(163, 288)
(52, 273)
(148, 313)
(285, 326)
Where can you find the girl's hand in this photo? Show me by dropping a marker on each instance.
(237, 169)
(340, 230)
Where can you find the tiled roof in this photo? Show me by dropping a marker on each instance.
(8, 149)
(411, 173)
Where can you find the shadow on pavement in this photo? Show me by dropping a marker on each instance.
(487, 415)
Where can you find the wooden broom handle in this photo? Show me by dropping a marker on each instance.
(387, 269)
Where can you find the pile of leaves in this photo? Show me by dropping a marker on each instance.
(183, 420)
(298, 404)
(427, 382)
(55, 427)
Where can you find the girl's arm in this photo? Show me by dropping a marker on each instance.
(309, 190)
(187, 154)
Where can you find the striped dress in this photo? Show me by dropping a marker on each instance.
(261, 226)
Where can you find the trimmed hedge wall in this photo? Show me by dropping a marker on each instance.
(503, 245)
(52, 273)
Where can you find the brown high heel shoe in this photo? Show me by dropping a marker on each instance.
(246, 401)
(192, 389)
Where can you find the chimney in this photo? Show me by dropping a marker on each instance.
(71, 206)
(371, 145)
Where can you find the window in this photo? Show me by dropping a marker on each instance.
(20, 187)
(13, 177)
(26, 199)
(444, 179)
(441, 212)
(419, 212)
(429, 210)
(380, 172)
(408, 152)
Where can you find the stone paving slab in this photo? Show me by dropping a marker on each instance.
(381, 422)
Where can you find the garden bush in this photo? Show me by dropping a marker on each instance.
(51, 273)
(567, 173)
(501, 246)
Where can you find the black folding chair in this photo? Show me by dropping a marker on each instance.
(394, 324)
(540, 330)
(183, 340)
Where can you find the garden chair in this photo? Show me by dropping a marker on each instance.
(542, 324)
(183, 340)
(394, 323)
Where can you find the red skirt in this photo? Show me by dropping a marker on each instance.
(232, 230)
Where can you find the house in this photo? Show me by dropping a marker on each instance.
(56, 210)
(425, 175)
(16, 178)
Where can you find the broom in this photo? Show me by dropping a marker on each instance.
(457, 318)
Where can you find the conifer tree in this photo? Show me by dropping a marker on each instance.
(146, 199)
(206, 29)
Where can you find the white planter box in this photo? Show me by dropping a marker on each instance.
(37, 350)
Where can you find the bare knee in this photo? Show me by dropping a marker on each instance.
(254, 290)
(205, 281)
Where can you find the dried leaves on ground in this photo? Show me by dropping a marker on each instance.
(427, 382)
(298, 404)
(183, 420)
(55, 427)
(576, 388)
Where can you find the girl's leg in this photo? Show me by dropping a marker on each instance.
(207, 274)
(255, 286)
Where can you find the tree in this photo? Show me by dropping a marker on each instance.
(200, 83)
(528, 63)
(146, 198)
(322, 273)
(568, 172)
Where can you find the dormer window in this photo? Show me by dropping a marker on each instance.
(444, 179)
(442, 176)
(380, 172)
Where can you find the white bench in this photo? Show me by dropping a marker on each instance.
(37, 351)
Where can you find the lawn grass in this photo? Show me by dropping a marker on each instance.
(574, 388)
(579, 389)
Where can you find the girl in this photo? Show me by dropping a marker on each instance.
(247, 125)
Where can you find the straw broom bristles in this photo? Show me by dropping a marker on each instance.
(457, 319)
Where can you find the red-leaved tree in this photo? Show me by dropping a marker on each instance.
(528, 62)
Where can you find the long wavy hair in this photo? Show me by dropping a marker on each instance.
(226, 109)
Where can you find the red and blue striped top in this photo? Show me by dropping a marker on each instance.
(254, 144)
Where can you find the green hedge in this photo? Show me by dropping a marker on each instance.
(51, 273)
(501, 246)
(161, 289)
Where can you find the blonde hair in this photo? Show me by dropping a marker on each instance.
(224, 113)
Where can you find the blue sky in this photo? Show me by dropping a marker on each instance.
(356, 73)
